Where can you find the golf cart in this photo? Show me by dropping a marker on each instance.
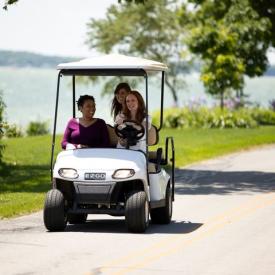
(114, 181)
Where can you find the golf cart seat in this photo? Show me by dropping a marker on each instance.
(113, 138)
(155, 157)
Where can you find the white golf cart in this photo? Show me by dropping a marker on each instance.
(118, 182)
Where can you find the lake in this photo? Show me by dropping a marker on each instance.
(29, 94)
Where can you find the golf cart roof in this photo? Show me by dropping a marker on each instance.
(111, 63)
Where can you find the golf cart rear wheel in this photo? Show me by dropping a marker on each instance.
(163, 215)
(55, 218)
(77, 218)
(137, 212)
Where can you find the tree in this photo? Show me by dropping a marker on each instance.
(151, 30)
(232, 40)
(10, 2)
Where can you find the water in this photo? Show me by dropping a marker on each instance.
(30, 95)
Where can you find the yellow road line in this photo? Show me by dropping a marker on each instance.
(183, 244)
(210, 227)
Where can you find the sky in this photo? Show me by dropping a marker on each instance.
(51, 27)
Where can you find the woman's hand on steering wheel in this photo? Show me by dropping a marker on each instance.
(130, 129)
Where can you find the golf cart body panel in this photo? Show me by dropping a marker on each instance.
(158, 185)
(91, 164)
(99, 160)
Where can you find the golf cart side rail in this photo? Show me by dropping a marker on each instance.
(172, 159)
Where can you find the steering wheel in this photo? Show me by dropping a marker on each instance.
(130, 130)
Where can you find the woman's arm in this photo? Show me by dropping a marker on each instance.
(119, 118)
(149, 122)
(66, 141)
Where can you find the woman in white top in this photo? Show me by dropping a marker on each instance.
(135, 110)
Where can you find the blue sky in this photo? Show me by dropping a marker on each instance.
(54, 27)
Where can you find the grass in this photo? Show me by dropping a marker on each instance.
(25, 174)
(193, 145)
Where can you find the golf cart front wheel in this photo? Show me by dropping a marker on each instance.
(163, 215)
(55, 218)
(137, 212)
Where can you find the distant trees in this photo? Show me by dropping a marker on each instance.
(27, 59)
(232, 38)
(152, 30)
(10, 2)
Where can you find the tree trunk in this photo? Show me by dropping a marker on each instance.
(173, 91)
(222, 100)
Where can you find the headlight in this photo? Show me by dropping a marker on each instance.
(123, 173)
(68, 173)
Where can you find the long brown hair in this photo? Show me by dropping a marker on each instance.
(141, 107)
(116, 106)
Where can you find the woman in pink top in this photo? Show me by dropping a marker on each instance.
(86, 131)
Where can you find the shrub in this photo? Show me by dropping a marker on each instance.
(37, 128)
(12, 130)
(263, 116)
(215, 118)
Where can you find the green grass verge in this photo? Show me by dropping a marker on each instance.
(193, 145)
(25, 176)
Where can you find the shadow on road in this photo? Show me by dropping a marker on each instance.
(118, 226)
(204, 182)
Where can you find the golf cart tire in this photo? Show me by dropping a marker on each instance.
(137, 212)
(163, 215)
(77, 218)
(55, 218)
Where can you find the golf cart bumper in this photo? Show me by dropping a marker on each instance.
(96, 198)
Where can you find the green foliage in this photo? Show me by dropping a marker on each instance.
(151, 31)
(215, 118)
(24, 176)
(37, 128)
(232, 39)
(263, 116)
(12, 130)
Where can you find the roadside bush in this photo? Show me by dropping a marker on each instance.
(215, 118)
(263, 116)
(37, 128)
(12, 130)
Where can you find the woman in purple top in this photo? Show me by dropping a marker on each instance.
(86, 131)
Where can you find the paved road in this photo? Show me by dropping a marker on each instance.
(223, 223)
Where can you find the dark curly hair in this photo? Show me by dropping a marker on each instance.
(82, 99)
(116, 106)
